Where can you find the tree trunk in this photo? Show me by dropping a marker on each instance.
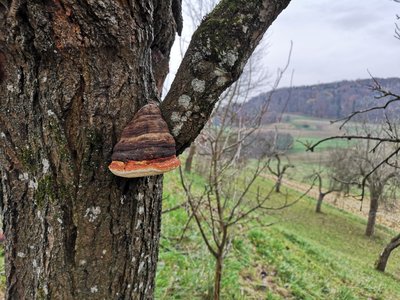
(319, 202)
(72, 74)
(218, 276)
(278, 184)
(189, 159)
(73, 77)
(373, 210)
(384, 256)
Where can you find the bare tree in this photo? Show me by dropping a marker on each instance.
(371, 177)
(353, 167)
(232, 193)
(373, 162)
(278, 169)
(72, 75)
(390, 139)
(334, 186)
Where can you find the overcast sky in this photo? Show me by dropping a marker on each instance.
(336, 40)
(332, 40)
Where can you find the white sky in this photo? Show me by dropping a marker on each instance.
(332, 40)
(336, 40)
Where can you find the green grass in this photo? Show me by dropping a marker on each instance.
(306, 256)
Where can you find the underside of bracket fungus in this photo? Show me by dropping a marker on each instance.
(146, 146)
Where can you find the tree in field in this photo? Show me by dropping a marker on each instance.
(395, 241)
(72, 76)
(231, 194)
(354, 166)
(278, 169)
(272, 145)
(381, 158)
(334, 186)
(233, 191)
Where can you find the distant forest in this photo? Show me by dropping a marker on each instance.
(330, 101)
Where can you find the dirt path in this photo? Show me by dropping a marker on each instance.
(388, 218)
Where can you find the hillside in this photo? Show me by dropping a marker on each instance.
(304, 255)
(330, 100)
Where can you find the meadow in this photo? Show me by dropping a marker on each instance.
(291, 254)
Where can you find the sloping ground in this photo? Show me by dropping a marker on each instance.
(389, 218)
(304, 255)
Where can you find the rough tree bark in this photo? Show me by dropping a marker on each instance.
(218, 276)
(384, 256)
(72, 74)
(279, 171)
(321, 197)
(376, 191)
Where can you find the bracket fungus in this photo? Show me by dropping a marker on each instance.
(146, 146)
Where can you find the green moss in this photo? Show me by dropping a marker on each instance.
(28, 160)
(45, 191)
(41, 294)
(229, 6)
(60, 139)
(211, 35)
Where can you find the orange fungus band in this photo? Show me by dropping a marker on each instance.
(162, 164)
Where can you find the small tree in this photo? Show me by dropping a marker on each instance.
(319, 176)
(232, 193)
(279, 170)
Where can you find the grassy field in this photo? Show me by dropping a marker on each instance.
(307, 131)
(302, 256)
(300, 126)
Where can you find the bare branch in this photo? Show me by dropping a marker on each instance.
(194, 210)
(311, 147)
(174, 208)
(393, 97)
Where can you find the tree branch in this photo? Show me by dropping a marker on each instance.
(350, 137)
(196, 217)
(216, 56)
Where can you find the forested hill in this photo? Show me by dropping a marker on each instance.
(330, 100)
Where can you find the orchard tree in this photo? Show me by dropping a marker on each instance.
(334, 186)
(72, 74)
(356, 166)
(278, 170)
(232, 192)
